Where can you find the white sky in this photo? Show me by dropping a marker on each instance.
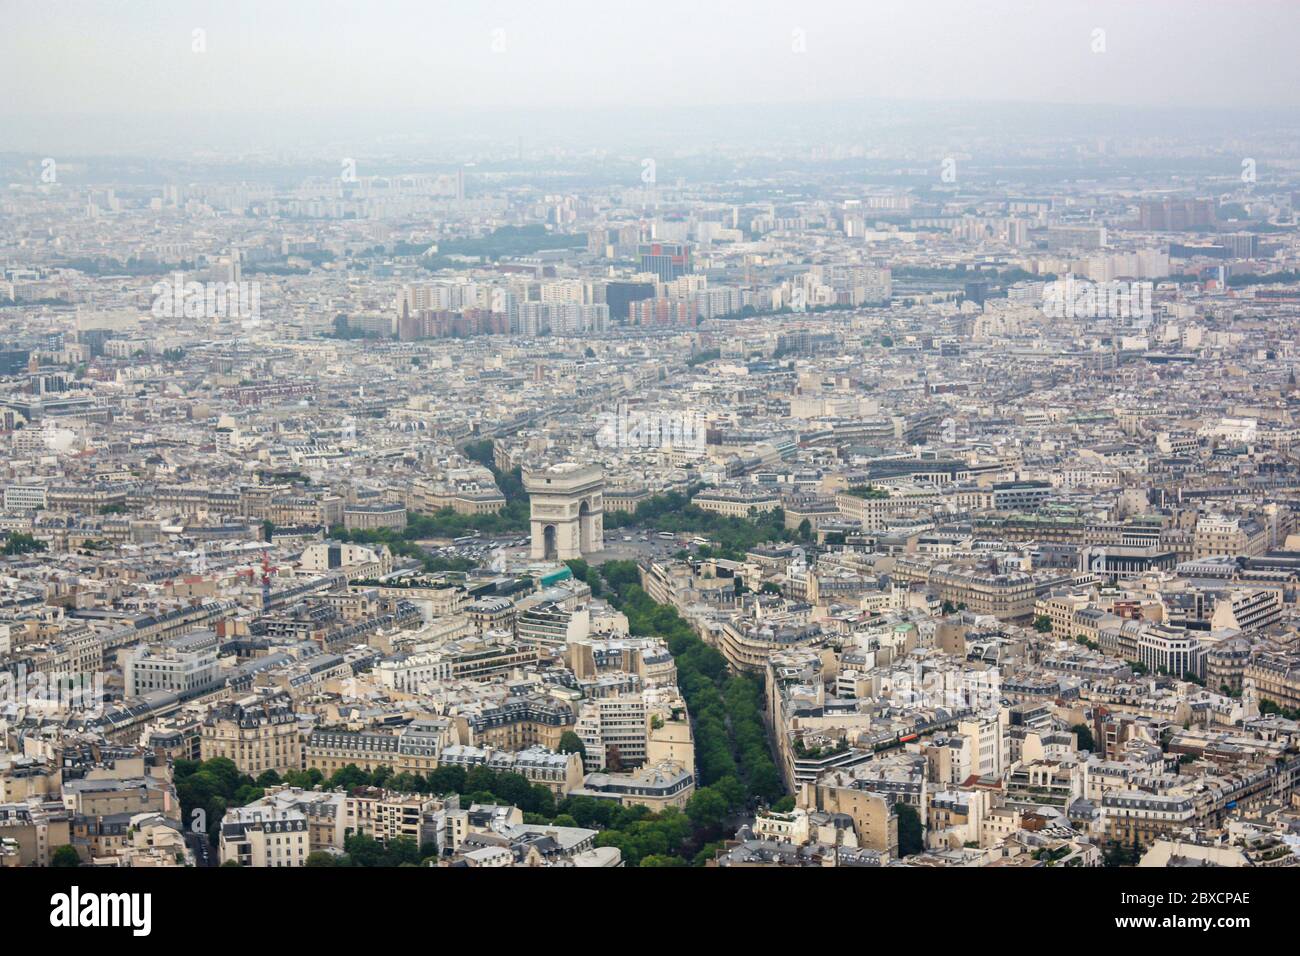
(135, 56)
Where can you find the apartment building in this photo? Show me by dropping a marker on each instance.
(614, 731)
(261, 837)
(874, 818)
(184, 665)
(370, 517)
(34, 830)
(1008, 595)
(1276, 676)
(258, 733)
(1220, 534)
(386, 815)
(560, 773)
(412, 749)
(737, 502)
(747, 646)
(520, 722)
(656, 787)
(1247, 610)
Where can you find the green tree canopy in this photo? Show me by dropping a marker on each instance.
(65, 856)
(910, 833)
(571, 743)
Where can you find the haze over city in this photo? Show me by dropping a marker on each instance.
(71, 69)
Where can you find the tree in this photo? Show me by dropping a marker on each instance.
(348, 778)
(708, 853)
(304, 779)
(225, 772)
(1119, 854)
(1042, 624)
(585, 573)
(571, 743)
(364, 850)
(707, 808)
(614, 759)
(65, 856)
(910, 839)
(210, 787)
(402, 851)
(731, 745)
(805, 530)
(246, 794)
(448, 778)
(480, 778)
(1084, 734)
(20, 543)
(268, 779)
(514, 789)
(542, 800)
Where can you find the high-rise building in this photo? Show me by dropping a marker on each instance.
(620, 295)
(667, 260)
(1175, 214)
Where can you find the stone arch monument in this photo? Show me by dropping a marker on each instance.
(567, 510)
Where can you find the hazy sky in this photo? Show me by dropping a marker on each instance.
(133, 74)
(115, 55)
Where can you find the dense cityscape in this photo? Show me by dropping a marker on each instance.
(840, 498)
